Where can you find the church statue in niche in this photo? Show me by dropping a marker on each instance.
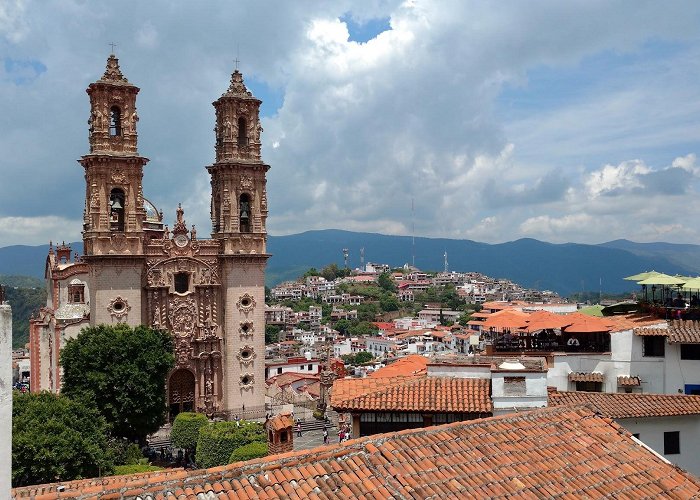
(208, 293)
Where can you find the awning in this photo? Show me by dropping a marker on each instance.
(625, 381)
(585, 377)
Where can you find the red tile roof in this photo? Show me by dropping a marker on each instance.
(585, 377)
(281, 421)
(624, 381)
(408, 366)
(678, 332)
(565, 452)
(424, 394)
(630, 405)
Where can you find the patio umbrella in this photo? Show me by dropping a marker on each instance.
(641, 276)
(509, 318)
(582, 323)
(662, 279)
(692, 284)
(545, 320)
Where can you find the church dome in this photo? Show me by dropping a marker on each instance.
(152, 214)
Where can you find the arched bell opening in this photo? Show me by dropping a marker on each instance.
(244, 211)
(242, 132)
(115, 121)
(116, 209)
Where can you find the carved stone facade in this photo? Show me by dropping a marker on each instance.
(208, 293)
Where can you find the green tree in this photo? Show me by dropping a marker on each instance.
(56, 438)
(343, 325)
(367, 311)
(218, 440)
(362, 329)
(311, 272)
(465, 317)
(122, 371)
(272, 334)
(389, 302)
(363, 357)
(185, 431)
(385, 281)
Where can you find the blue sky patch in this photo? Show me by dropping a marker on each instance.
(272, 98)
(365, 30)
(23, 72)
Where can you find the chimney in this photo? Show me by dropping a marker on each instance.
(280, 434)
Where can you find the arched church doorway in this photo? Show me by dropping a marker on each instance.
(180, 392)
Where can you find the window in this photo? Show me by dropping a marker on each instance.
(182, 282)
(115, 121)
(514, 386)
(310, 367)
(589, 386)
(244, 211)
(76, 294)
(279, 370)
(242, 132)
(690, 351)
(672, 443)
(116, 210)
(654, 345)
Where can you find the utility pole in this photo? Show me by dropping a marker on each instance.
(345, 257)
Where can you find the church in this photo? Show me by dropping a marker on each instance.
(208, 293)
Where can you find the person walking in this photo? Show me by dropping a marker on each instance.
(325, 436)
(298, 428)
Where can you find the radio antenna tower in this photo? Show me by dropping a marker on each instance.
(362, 258)
(345, 257)
(446, 267)
(413, 235)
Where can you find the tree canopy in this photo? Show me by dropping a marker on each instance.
(55, 438)
(185, 431)
(218, 440)
(122, 370)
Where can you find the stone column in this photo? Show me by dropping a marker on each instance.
(5, 399)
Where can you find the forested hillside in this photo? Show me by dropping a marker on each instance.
(26, 295)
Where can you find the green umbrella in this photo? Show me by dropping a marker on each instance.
(662, 279)
(641, 276)
(692, 284)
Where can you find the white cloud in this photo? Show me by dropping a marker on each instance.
(365, 128)
(38, 230)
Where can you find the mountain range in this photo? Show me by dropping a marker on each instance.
(564, 268)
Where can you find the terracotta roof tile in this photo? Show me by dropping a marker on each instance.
(568, 452)
(625, 381)
(412, 365)
(630, 405)
(279, 422)
(678, 332)
(585, 377)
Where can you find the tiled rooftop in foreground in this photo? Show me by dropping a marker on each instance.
(568, 452)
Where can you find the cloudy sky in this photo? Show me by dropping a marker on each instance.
(562, 121)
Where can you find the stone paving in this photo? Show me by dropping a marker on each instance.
(313, 439)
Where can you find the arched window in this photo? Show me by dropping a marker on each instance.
(242, 132)
(115, 121)
(245, 215)
(116, 210)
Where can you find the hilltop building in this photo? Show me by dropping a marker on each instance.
(209, 293)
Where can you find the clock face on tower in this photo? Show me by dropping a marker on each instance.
(180, 240)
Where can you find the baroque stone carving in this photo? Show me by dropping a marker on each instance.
(118, 177)
(246, 182)
(246, 354)
(182, 315)
(246, 329)
(246, 381)
(118, 307)
(246, 303)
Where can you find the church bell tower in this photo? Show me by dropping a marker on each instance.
(239, 213)
(114, 212)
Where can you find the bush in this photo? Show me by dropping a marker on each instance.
(121, 470)
(185, 431)
(218, 440)
(124, 452)
(249, 451)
